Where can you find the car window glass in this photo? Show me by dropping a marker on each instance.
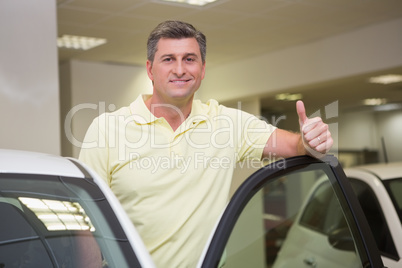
(59, 222)
(315, 215)
(394, 187)
(293, 221)
(375, 217)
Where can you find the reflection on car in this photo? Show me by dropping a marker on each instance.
(320, 234)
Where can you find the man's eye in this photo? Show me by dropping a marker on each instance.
(190, 59)
(167, 59)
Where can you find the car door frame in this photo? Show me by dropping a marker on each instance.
(366, 248)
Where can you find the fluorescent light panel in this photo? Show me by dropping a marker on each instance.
(192, 2)
(374, 102)
(288, 97)
(79, 42)
(386, 79)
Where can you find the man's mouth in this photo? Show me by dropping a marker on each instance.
(180, 81)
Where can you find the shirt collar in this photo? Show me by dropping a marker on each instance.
(141, 114)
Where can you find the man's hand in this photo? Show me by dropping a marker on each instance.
(316, 138)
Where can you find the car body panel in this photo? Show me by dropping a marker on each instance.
(384, 171)
(22, 162)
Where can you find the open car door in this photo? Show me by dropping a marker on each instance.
(296, 212)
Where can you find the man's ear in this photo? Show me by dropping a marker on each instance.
(149, 70)
(203, 70)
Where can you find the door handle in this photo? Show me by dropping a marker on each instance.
(310, 261)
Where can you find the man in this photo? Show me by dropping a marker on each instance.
(170, 159)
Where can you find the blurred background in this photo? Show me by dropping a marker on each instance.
(262, 55)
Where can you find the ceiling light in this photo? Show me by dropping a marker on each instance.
(192, 2)
(374, 102)
(386, 79)
(288, 97)
(79, 42)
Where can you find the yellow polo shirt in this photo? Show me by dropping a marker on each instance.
(173, 184)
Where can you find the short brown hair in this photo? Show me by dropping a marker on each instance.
(175, 30)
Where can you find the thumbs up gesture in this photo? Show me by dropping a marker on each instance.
(316, 137)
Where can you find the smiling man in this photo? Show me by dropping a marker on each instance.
(169, 159)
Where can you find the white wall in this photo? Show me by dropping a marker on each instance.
(29, 92)
(390, 128)
(93, 88)
(358, 130)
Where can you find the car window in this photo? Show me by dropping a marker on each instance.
(394, 188)
(323, 212)
(375, 218)
(50, 221)
(268, 231)
(297, 217)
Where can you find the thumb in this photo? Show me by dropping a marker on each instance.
(301, 111)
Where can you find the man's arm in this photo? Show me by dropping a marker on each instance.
(314, 138)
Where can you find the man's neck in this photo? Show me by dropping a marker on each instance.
(174, 113)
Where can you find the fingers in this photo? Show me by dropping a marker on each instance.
(301, 111)
(317, 138)
(316, 135)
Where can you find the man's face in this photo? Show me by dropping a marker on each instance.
(177, 69)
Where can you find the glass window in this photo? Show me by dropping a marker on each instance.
(292, 221)
(59, 222)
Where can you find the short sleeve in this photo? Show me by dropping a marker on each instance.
(94, 150)
(251, 134)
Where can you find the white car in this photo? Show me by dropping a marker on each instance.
(319, 235)
(56, 212)
(379, 190)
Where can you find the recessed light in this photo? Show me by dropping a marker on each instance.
(79, 42)
(288, 97)
(374, 102)
(192, 2)
(386, 79)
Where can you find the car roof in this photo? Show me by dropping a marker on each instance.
(384, 171)
(25, 162)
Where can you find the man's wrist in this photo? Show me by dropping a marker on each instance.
(301, 149)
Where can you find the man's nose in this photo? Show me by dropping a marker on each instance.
(179, 68)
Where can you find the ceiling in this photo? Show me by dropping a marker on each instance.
(235, 29)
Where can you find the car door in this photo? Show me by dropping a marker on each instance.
(296, 212)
